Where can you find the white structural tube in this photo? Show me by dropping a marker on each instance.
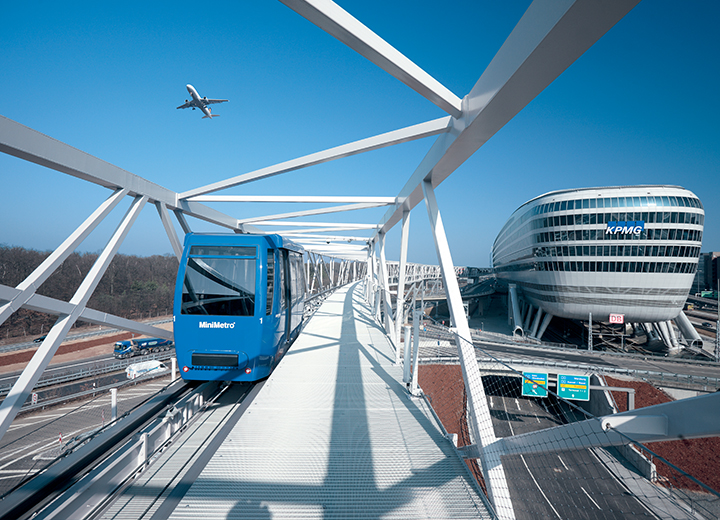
(688, 331)
(526, 323)
(673, 336)
(664, 333)
(544, 326)
(516, 316)
(536, 323)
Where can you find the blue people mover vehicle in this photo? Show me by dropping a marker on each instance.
(238, 305)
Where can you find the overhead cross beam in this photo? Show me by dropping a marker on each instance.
(549, 37)
(337, 22)
(403, 135)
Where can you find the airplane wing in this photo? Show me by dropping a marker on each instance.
(213, 101)
(187, 105)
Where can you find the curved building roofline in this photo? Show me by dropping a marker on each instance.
(580, 190)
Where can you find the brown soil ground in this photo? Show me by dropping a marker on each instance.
(697, 457)
(69, 351)
(443, 385)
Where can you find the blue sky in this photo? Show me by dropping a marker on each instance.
(640, 107)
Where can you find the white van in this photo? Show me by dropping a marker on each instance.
(146, 367)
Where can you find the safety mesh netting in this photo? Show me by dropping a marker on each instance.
(549, 456)
(36, 440)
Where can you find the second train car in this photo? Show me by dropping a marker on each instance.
(238, 305)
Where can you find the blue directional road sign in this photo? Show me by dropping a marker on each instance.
(574, 387)
(534, 384)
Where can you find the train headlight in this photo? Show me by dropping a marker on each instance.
(248, 370)
(186, 369)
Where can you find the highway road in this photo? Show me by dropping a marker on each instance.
(434, 346)
(566, 484)
(34, 439)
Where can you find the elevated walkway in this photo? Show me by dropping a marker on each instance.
(331, 434)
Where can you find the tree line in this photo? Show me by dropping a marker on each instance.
(133, 287)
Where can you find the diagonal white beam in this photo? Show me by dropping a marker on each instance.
(40, 360)
(549, 37)
(31, 284)
(55, 307)
(28, 144)
(309, 212)
(342, 25)
(311, 199)
(411, 133)
(169, 229)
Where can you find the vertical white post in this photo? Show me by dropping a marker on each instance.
(407, 352)
(416, 352)
(590, 345)
(400, 300)
(143, 455)
(386, 298)
(173, 376)
(113, 404)
(479, 420)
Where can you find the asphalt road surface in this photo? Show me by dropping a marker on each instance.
(34, 440)
(572, 484)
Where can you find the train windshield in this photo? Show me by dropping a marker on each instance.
(220, 281)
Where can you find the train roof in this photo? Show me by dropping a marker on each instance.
(233, 239)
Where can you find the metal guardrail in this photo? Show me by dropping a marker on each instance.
(100, 368)
(32, 344)
(688, 381)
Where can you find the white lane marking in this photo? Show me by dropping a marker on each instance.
(563, 463)
(538, 486)
(591, 498)
(517, 403)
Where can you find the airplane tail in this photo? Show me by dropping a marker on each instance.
(211, 116)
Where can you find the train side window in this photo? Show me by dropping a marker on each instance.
(283, 278)
(270, 281)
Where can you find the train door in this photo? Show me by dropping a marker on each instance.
(285, 307)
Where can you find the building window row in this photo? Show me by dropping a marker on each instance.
(604, 267)
(580, 219)
(620, 267)
(692, 235)
(618, 202)
(618, 250)
(665, 217)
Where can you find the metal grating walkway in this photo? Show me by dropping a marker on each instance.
(333, 434)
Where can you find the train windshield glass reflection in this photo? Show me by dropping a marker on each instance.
(218, 282)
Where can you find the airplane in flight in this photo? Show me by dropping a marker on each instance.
(201, 103)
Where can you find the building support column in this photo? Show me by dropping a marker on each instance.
(544, 326)
(673, 336)
(536, 322)
(479, 421)
(664, 333)
(688, 331)
(526, 323)
(515, 306)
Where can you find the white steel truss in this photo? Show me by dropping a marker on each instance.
(550, 36)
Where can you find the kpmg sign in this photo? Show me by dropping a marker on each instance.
(631, 227)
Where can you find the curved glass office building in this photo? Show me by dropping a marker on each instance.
(630, 250)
